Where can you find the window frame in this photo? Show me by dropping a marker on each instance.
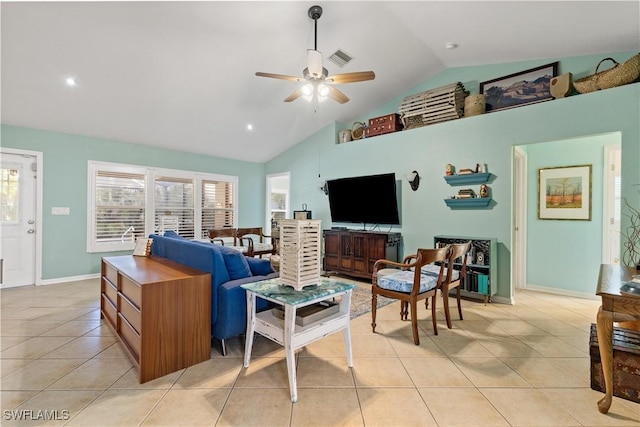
(150, 173)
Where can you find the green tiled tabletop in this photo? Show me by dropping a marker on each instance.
(287, 295)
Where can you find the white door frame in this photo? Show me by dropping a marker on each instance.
(267, 209)
(38, 199)
(519, 221)
(608, 201)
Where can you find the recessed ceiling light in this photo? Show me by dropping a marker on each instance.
(70, 81)
(451, 46)
(249, 126)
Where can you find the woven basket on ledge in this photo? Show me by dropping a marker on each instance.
(620, 74)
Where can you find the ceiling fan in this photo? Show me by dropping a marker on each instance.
(316, 76)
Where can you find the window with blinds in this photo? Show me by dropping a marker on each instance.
(174, 205)
(126, 202)
(217, 205)
(119, 206)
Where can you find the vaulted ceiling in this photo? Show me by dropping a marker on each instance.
(181, 75)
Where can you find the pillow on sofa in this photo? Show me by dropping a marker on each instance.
(236, 263)
(259, 266)
(172, 234)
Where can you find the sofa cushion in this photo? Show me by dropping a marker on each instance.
(172, 234)
(259, 266)
(237, 265)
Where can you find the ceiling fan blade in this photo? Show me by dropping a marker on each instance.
(314, 63)
(336, 95)
(279, 76)
(295, 95)
(359, 76)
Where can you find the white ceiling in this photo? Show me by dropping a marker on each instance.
(180, 75)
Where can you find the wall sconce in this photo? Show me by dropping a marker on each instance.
(414, 180)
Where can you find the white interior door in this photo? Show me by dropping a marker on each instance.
(18, 221)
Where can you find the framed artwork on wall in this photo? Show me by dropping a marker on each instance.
(565, 192)
(523, 88)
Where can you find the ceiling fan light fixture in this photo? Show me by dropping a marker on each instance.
(314, 63)
(307, 90)
(323, 90)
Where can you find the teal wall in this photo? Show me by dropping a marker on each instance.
(489, 139)
(65, 157)
(554, 247)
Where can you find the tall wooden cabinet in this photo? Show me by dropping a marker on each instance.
(160, 311)
(353, 253)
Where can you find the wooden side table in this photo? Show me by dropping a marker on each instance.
(615, 307)
(287, 333)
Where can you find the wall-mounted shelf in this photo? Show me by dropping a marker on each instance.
(478, 202)
(472, 178)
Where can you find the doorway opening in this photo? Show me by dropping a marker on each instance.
(278, 200)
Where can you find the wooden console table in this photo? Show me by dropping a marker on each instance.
(160, 311)
(615, 307)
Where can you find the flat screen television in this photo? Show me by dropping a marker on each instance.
(364, 199)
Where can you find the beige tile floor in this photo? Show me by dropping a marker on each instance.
(521, 365)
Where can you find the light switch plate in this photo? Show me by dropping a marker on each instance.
(60, 211)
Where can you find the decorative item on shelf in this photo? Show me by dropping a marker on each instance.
(523, 88)
(303, 214)
(414, 180)
(619, 75)
(357, 131)
(449, 169)
(300, 260)
(465, 172)
(344, 136)
(433, 106)
(484, 190)
(474, 105)
(384, 124)
(561, 85)
(480, 258)
(143, 247)
(466, 193)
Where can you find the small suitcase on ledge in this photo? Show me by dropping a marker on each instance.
(626, 363)
(384, 124)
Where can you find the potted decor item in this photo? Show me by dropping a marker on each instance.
(631, 235)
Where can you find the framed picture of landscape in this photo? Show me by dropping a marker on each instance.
(565, 193)
(523, 88)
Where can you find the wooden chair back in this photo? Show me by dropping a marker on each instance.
(217, 234)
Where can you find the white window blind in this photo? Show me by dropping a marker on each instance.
(127, 202)
(217, 205)
(174, 203)
(119, 207)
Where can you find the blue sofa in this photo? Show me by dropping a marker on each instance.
(228, 268)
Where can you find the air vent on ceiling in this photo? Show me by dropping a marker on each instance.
(340, 58)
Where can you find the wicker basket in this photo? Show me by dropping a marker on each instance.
(620, 74)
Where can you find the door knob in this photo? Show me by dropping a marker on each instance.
(31, 231)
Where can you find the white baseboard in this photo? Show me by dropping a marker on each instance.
(565, 292)
(502, 300)
(69, 279)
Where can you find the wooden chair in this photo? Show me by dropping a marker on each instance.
(227, 237)
(409, 284)
(254, 238)
(454, 277)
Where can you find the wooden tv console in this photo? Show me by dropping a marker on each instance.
(353, 252)
(160, 311)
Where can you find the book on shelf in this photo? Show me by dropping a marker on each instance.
(465, 172)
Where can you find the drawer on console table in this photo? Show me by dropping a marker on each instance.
(109, 310)
(130, 312)
(131, 290)
(131, 337)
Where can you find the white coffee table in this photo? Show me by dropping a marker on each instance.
(286, 332)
